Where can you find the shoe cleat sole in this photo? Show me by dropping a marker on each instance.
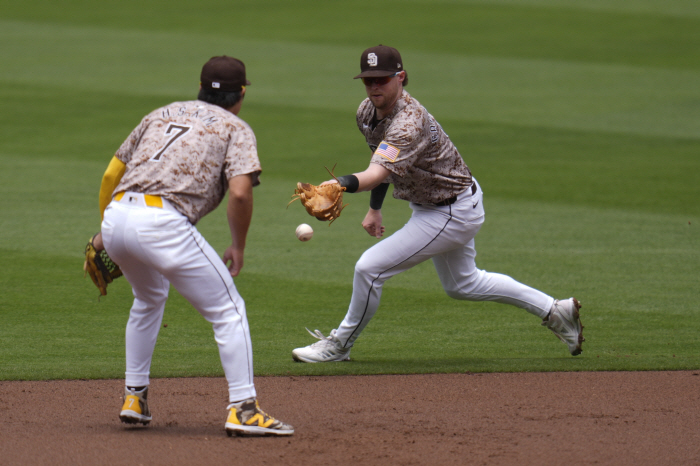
(254, 431)
(133, 418)
(581, 339)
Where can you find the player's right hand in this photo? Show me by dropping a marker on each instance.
(373, 223)
(97, 242)
(235, 256)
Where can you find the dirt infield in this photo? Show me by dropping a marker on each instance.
(609, 418)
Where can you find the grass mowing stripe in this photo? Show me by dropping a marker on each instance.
(415, 332)
(511, 161)
(66, 124)
(680, 8)
(560, 94)
(538, 31)
(565, 93)
(617, 171)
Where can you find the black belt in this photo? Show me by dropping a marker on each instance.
(453, 199)
(449, 201)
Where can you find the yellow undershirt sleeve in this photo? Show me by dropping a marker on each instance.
(110, 180)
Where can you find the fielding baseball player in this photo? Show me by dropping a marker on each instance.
(411, 151)
(173, 169)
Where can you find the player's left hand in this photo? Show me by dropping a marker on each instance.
(99, 265)
(235, 256)
(324, 202)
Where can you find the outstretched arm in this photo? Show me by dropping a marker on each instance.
(366, 180)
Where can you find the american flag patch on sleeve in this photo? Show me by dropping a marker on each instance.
(387, 151)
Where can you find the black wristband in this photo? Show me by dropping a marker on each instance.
(349, 182)
(377, 196)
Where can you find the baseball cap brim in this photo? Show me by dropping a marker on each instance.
(374, 74)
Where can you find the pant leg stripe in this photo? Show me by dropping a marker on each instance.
(223, 281)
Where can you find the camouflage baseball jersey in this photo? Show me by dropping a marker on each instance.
(186, 152)
(425, 166)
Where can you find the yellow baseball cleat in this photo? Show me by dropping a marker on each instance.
(135, 407)
(246, 418)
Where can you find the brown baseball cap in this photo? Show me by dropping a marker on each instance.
(225, 74)
(381, 60)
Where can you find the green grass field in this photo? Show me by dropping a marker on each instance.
(580, 119)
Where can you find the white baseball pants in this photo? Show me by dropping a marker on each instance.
(156, 247)
(445, 235)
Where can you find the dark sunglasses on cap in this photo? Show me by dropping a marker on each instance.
(380, 80)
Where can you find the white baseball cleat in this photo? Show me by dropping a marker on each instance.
(327, 349)
(564, 321)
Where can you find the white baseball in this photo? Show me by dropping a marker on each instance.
(304, 232)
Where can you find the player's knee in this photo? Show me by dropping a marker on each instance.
(365, 266)
(459, 293)
(150, 302)
(466, 286)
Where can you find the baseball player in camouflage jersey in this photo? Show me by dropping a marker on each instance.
(411, 151)
(173, 169)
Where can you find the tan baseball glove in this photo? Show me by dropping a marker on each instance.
(323, 202)
(100, 267)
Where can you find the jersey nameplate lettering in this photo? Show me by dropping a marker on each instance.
(206, 117)
(435, 129)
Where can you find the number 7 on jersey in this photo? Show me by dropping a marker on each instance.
(177, 132)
